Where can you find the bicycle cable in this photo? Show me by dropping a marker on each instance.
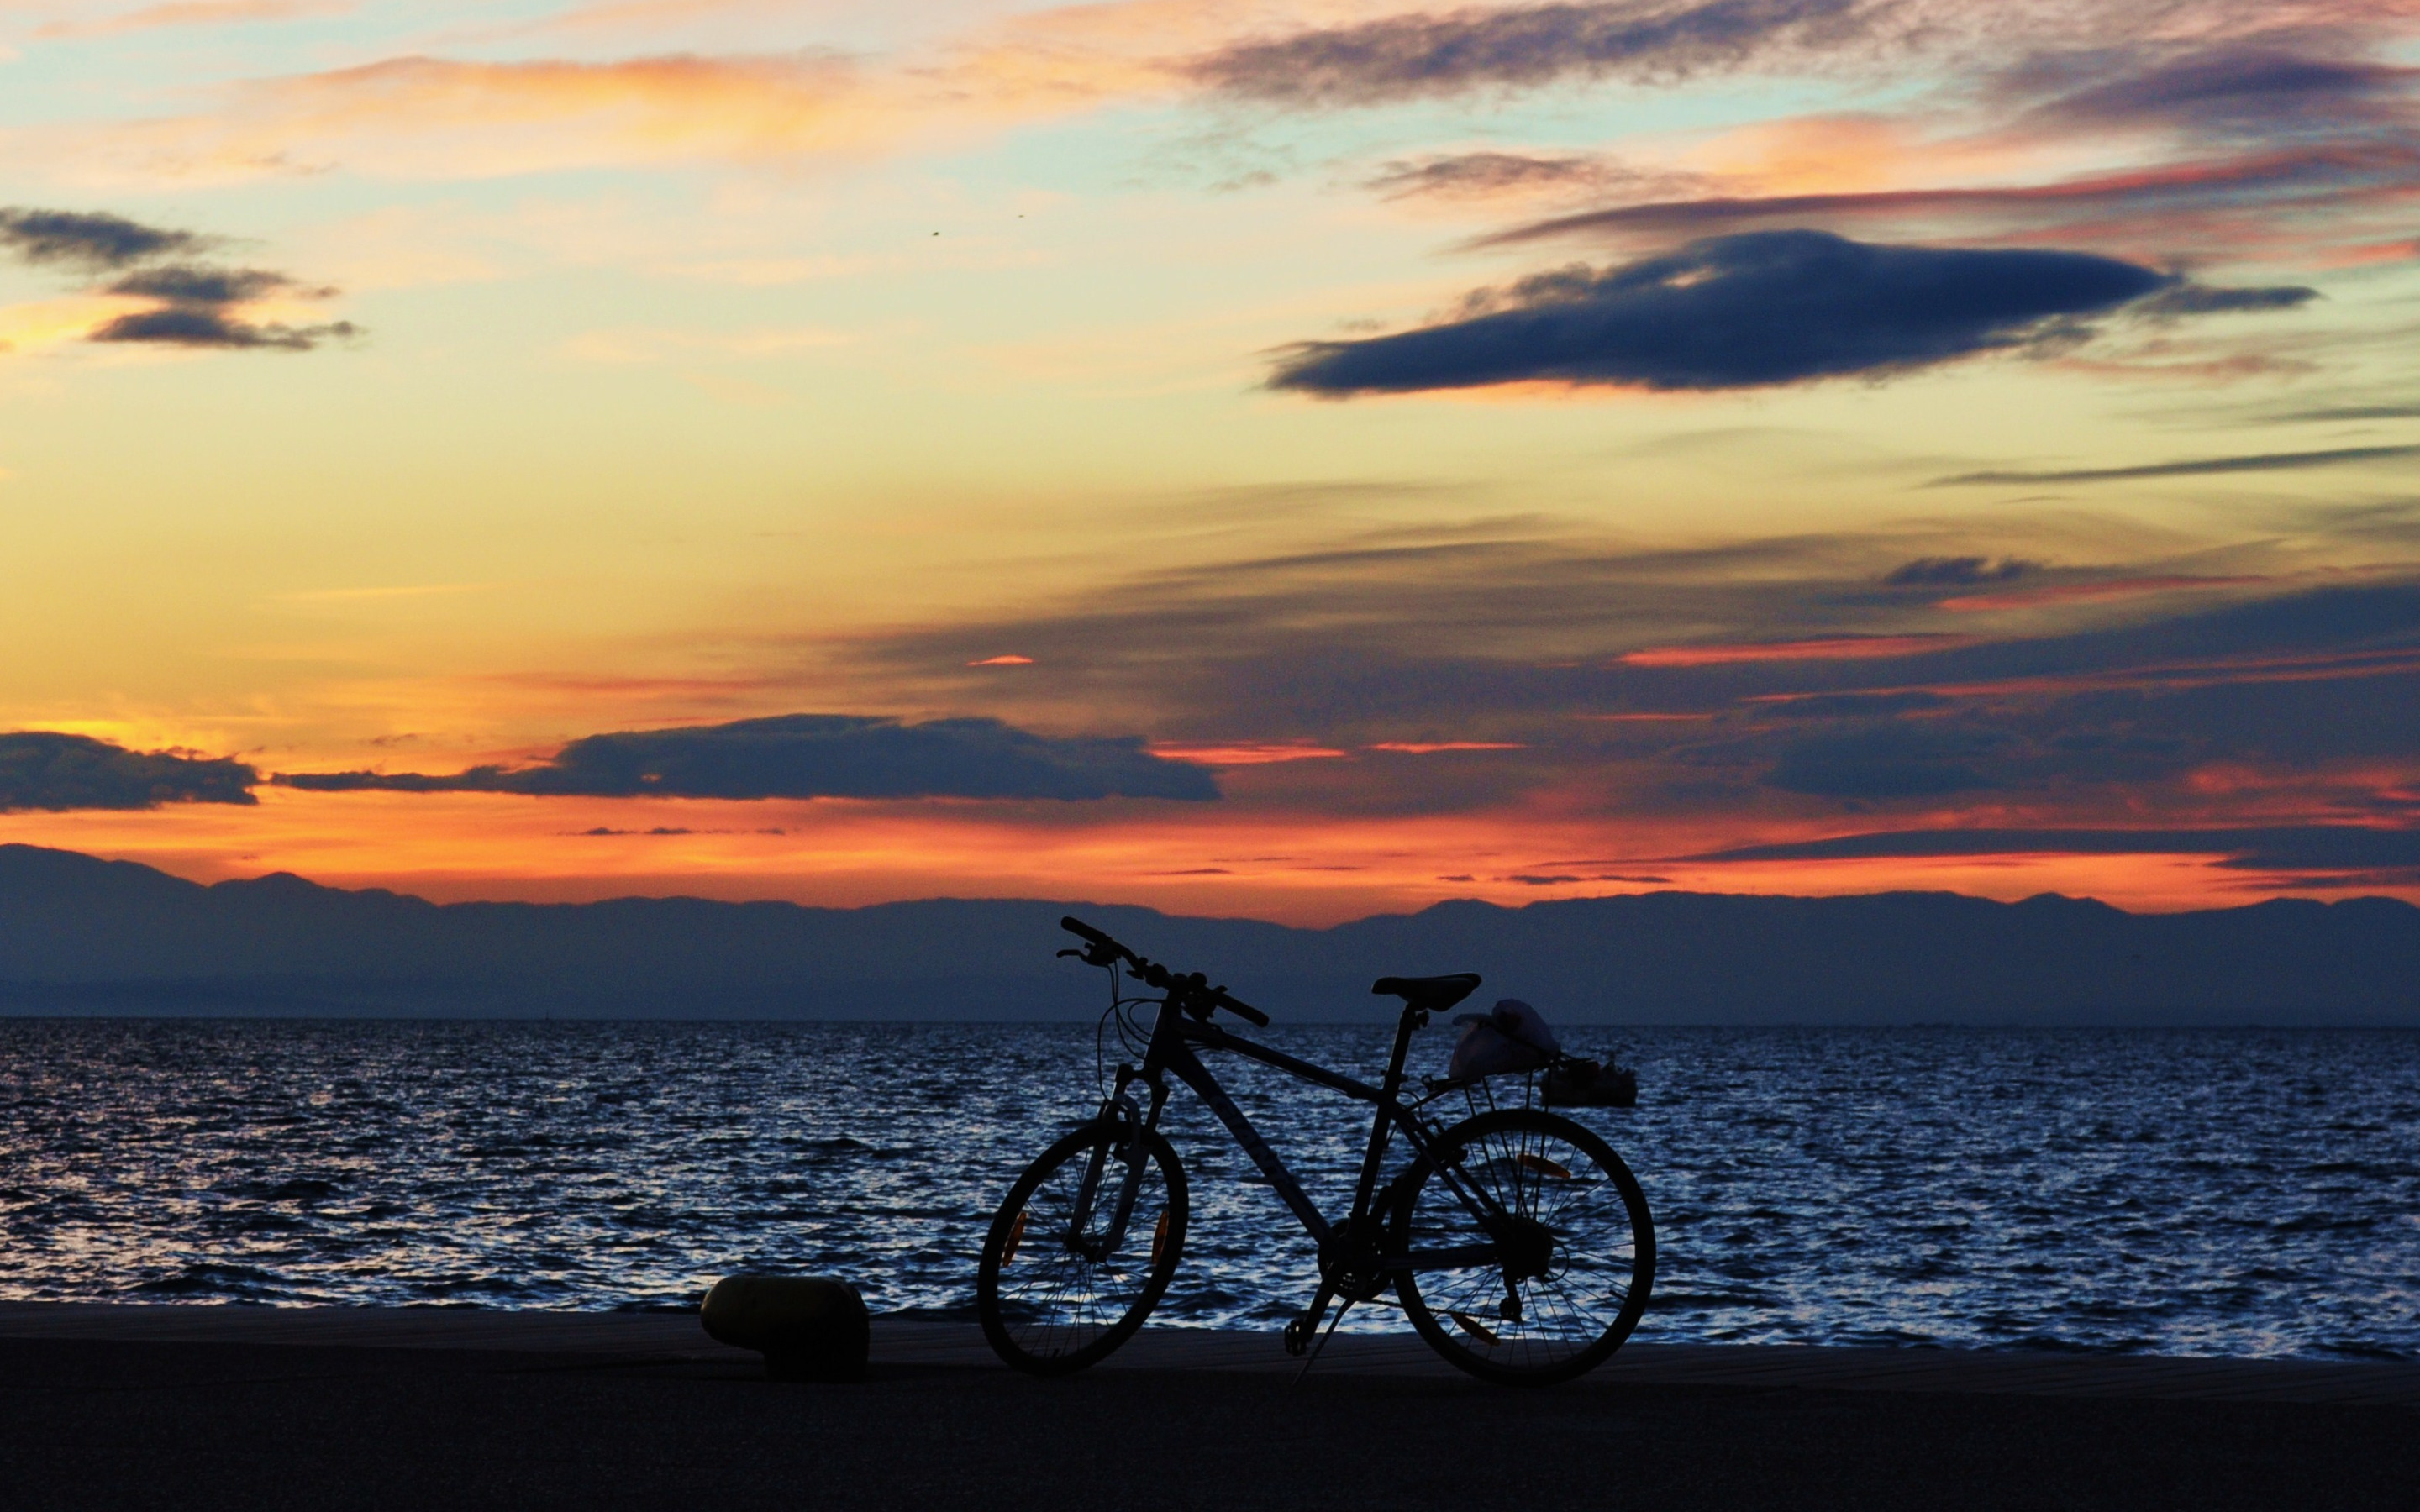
(1134, 1037)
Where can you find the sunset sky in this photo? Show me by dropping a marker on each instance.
(1295, 460)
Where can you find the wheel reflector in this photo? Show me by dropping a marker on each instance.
(1540, 1164)
(1160, 1238)
(1473, 1327)
(1015, 1237)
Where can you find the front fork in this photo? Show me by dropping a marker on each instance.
(1128, 1126)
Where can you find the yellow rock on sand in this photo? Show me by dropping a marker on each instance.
(809, 1328)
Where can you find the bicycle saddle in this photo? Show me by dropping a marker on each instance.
(1435, 994)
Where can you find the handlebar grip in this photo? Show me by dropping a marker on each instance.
(1159, 975)
(1077, 927)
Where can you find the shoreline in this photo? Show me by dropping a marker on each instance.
(677, 1339)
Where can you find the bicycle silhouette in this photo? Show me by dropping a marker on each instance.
(1515, 1239)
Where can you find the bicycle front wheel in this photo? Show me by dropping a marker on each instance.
(1060, 1286)
(1553, 1278)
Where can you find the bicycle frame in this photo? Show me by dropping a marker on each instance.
(1171, 1051)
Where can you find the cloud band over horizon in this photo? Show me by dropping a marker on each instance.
(817, 756)
(48, 770)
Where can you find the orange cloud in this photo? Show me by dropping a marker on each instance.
(1845, 154)
(1287, 865)
(1836, 648)
(1245, 753)
(435, 117)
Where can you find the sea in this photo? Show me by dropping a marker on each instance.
(2179, 1191)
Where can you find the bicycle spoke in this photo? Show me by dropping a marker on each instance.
(1050, 1300)
(1588, 1280)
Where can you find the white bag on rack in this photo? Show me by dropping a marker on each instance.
(1512, 1037)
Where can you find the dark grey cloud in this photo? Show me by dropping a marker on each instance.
(1858, 705)
(818, 755)
(1416, 56)
(1391, 638)
(92, 241)
(1957, 572)
(2192, 467)
(199, 307)
(2282, 848)
(201, 325)
(2204, 298)
(193, 284)
(1491, 637)
(1745, 311)
(1886, 760)
(47, 770)
(198, 304)
(2352, 413)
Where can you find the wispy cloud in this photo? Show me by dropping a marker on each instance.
(2096, 592)
(2325, 198)
(1830, 648)
(1490, 173)
(1416, 56)
(2260, 89)
(2190, 467)
(2284, 847)
(189, 13)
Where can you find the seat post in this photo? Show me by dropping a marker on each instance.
(1414, 1019)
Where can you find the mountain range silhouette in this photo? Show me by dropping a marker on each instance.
(79, 935)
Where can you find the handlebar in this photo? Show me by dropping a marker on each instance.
(1189, 991)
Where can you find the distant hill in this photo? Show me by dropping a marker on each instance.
(82, 935)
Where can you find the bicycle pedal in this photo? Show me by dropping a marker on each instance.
(1297, 1338)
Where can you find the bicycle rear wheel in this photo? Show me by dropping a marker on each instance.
(1055, 1295)
(1564, 1276)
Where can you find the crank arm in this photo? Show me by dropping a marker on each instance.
(1299, 1333)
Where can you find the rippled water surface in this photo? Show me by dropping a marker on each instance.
(2218, 1193)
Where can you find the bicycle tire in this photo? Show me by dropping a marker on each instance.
(1042, 1304)
(1597, 1249)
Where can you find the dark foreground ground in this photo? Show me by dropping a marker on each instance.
(130, 1423)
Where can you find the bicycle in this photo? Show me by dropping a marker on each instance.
(1517, 1242)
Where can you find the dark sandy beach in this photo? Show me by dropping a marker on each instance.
(203, 1408)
